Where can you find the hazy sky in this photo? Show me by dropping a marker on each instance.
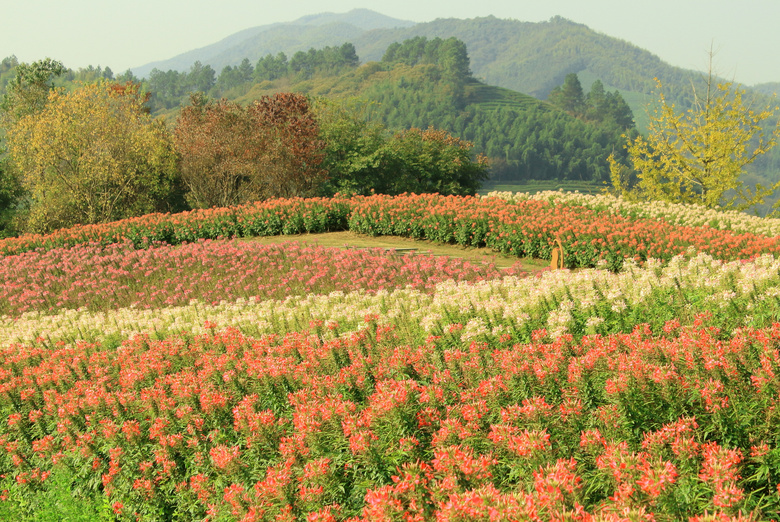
(123, 34)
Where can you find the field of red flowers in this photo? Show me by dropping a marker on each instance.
(523, 228)
(303, 383)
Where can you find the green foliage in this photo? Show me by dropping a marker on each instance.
(326, 61)
(353, 143)
(7, 71)
(28, 91)
(271, 67)
(569, 96)
(172, 88)
(11, 193)
(56, 502)
(361, 159)
(608, 106)
(450, 54)
(598, 106)
(92, 74)
(235, 77)
(521, 136)
(431, 160)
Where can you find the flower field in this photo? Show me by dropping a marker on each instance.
(120, 276)
(676, 214)
(600, 229)
(151, 371)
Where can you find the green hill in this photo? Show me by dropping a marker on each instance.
(528, 57)
(525, 138)
(317, 31)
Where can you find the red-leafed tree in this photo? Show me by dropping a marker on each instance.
(293, 146)
(232, 154)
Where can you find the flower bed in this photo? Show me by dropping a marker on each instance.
(367, 427)
(226, 380)
(117, 276)
(523, 228)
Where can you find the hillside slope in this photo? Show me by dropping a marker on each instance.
(527, 57)
(318, 31)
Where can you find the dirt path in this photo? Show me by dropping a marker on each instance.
(404, 245)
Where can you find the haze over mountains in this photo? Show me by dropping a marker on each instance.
(528, 57)
(317, 31)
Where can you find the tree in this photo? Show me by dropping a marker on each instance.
(28, 91)
(569, 96)
(454, 59)
(91, 156)
(698, 156)
(353, 158)
(7, 70)
(293, 149)
(232, 154)
(221, 152)
(10, 195)
(25, 94)
(270, 67)
(618, 111)
(596, 101)
(433, 160)
(361, 157)
(245, 71)
(201, 78)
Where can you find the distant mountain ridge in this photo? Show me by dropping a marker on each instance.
(529, 57)
(316, 31)
(535, 57)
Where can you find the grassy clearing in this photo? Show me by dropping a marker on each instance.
(403, 246)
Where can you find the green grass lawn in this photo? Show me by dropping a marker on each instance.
(407, 246)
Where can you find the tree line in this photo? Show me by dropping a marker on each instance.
(94, 153)
(524, 138)
(170, 89)
(423, 123)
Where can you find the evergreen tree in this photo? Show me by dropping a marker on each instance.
(569, 96)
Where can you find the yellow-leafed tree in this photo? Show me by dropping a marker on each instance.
(697, 156)
(92, 155)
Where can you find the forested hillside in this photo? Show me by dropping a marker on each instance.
(527, 57)
(418, 83)
(432, 82)
(421, 83)
(534, 58)
(320, 30)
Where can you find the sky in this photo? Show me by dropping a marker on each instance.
(123, 34)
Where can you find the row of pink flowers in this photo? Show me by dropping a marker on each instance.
(118, 276)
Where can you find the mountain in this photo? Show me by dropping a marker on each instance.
(529, 57)
(419, 84)
(317, 31)
(769, 89)
(535, 57)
